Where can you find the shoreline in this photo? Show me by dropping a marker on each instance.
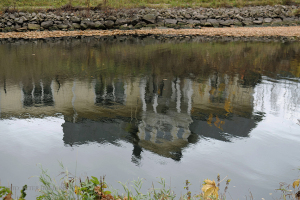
(291, 33)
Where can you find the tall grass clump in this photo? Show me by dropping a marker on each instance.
(71, 187)
(50, 189)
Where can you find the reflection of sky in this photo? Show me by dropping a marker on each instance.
(280, 98)
(256, 163)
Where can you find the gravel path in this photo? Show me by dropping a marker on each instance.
(291, 31)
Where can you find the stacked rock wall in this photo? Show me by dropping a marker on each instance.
(149, 18)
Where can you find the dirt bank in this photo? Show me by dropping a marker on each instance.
(292, 31)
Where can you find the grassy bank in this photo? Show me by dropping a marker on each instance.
(54, 4)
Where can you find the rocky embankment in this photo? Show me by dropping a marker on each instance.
(126, 19)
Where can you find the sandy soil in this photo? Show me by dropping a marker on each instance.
(291, 31)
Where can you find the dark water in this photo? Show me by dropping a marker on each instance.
(147, 109)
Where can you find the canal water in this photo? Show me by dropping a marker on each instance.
(141, 108)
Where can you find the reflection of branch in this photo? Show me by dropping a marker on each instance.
(5, 85)
(56, 79)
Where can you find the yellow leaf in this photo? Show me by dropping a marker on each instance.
(77, 190)
(296, 183)
(210, 189)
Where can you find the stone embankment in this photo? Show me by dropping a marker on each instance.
(127, 19)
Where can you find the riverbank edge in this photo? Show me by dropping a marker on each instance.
(255, 34)
(159, 38)
(137, 18)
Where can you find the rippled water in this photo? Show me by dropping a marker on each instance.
(147, 109)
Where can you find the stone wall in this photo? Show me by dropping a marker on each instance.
(150, 18)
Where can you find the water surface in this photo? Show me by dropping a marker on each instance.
(147, 109)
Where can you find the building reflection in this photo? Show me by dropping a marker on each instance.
(161, 114)
(37, 94)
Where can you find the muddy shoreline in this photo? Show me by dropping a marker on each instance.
(264, 34)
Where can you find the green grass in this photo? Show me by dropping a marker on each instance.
(54, 4)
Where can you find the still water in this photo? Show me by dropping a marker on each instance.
(142, 108)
